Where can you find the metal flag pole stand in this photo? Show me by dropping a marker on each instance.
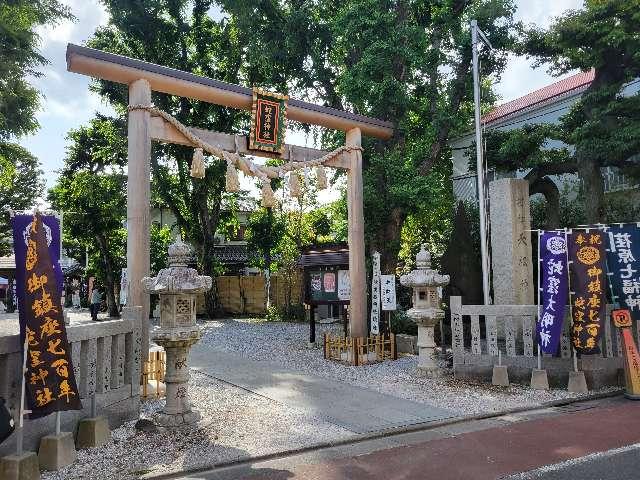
(21, 410)
(23, 465)
(539, 379)
(577, 382)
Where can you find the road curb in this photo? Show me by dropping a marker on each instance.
(391, 432)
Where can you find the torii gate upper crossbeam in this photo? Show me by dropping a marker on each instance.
(120, 69)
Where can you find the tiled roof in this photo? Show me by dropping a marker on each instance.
(572, 84)
(228, 254)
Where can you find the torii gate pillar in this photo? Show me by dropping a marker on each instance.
(138, 195)
(355, 209)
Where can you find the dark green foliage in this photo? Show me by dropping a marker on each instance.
(386, 60)
(604, 126)
(19, 57)
(20, 186)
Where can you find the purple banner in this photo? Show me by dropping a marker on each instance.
(588, 284)
(623, 264)
(554, 289)
(21, 226)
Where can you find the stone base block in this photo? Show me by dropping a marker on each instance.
(577, 382)
(539, 380)
(23, 467)
(500, 376)
(177, 420)
(92, 432)
(429, 371)
(57, 451)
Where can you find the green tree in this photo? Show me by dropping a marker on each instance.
(21, 185)
(95, 206)
(91, 191)
(181, 34)
(20, 174)
(159, 244)
(603, 128)
(405, 61)
(19, 57)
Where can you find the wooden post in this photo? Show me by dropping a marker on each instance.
(138, 192)
(355, 208)
(312, 324)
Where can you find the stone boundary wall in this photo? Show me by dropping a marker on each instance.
(106, 361)
(478, 332)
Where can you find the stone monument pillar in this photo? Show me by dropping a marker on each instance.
(511, 260)
(177, 287)
(426, 311)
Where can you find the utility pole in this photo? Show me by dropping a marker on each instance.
(484, 248)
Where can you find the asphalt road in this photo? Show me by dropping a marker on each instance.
(617, 464)
(590, 440)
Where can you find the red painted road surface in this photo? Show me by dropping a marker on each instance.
(486, 454)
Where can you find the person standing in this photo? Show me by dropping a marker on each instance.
(96, 299)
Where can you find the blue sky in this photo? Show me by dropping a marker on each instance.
(68, 103)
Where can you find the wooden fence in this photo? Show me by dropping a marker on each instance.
(246, 295)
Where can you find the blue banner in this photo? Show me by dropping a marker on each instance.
(21, 225)
(623, 263)
(553, 289)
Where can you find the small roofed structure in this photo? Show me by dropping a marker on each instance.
(326, 280)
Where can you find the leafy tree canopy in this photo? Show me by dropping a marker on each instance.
(603, 128)
(19, 57)
(21, 185)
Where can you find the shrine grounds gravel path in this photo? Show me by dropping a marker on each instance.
(286, 344)
(239, 424)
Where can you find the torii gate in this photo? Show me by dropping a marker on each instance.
(142, 78)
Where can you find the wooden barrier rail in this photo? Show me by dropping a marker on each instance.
(360, 350)
(154, 369)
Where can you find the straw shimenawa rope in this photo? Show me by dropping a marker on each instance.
(263, 172)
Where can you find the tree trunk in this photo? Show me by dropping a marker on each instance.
(387, 241)
(592, 189)
(109, 282)
(549, 190)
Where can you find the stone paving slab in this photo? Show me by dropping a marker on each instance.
(357, 409)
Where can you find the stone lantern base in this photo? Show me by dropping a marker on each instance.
(178, 419)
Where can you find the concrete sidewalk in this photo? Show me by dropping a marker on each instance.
(356, 409)
(486, 449)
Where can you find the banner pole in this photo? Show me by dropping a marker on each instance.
(574, 353)
(58, 423)
(20, 433)
(539, 296)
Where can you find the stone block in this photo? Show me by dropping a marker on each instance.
(23, 467)
(57, 451)
(500, 376)
(407, 344)
(539, 380)
(92, 432)
(512, 265)
(577, 382)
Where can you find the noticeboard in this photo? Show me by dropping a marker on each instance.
(323, 286)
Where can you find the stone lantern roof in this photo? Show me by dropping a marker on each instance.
(177, 278)
(423, 275)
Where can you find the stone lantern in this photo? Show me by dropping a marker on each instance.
(177, 287)
(426, 311)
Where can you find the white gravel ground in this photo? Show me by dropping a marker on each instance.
(239, 424)
(235, 424)
(286, 343)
